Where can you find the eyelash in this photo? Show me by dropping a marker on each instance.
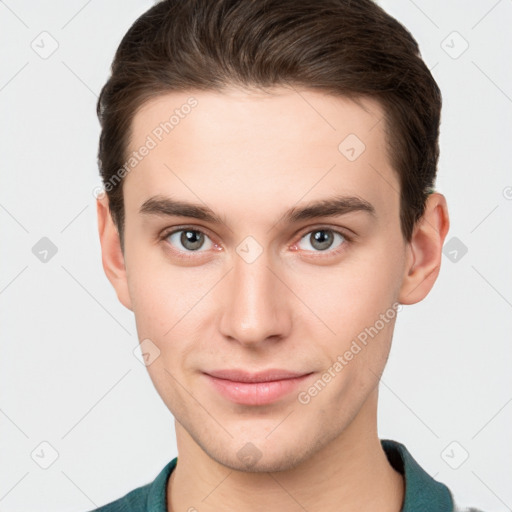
(190, 254)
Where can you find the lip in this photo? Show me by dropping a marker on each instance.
(258, 388)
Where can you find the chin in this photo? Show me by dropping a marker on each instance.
(262, 456)
(272, 464)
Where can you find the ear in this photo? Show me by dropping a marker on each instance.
(112, 257)
(424, 251)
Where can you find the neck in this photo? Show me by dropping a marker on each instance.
(350, 473)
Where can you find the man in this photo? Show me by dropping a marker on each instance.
(269, 170)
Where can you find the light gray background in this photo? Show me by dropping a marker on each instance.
(68, 373)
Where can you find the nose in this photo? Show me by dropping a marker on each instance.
(255, 303)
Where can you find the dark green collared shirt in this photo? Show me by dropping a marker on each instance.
(422, 492)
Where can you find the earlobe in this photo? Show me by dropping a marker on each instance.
(425, 251)
(112, 257)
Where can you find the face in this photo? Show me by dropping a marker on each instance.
(262, 233)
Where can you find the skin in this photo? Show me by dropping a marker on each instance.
(250, 156)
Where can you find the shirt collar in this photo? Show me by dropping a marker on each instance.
(157, 495)
(422, 492)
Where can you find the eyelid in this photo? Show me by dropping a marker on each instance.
(166, 233)
(335, 229)
(329, 253)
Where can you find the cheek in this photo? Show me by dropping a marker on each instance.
(155, 303)
(163, 304)
(352, 295)
(357, 301)
(171, 305)
(162, 293)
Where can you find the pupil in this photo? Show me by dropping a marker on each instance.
(192, 239)
(321, 239)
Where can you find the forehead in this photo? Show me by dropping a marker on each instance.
(243, 113)
(253, 148)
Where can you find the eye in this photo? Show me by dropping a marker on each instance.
(322, 239)
(189, 240)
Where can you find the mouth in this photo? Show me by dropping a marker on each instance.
(255, 388)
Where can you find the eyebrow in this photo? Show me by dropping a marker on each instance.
(328, 207)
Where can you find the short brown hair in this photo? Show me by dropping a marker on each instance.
(342, 47)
